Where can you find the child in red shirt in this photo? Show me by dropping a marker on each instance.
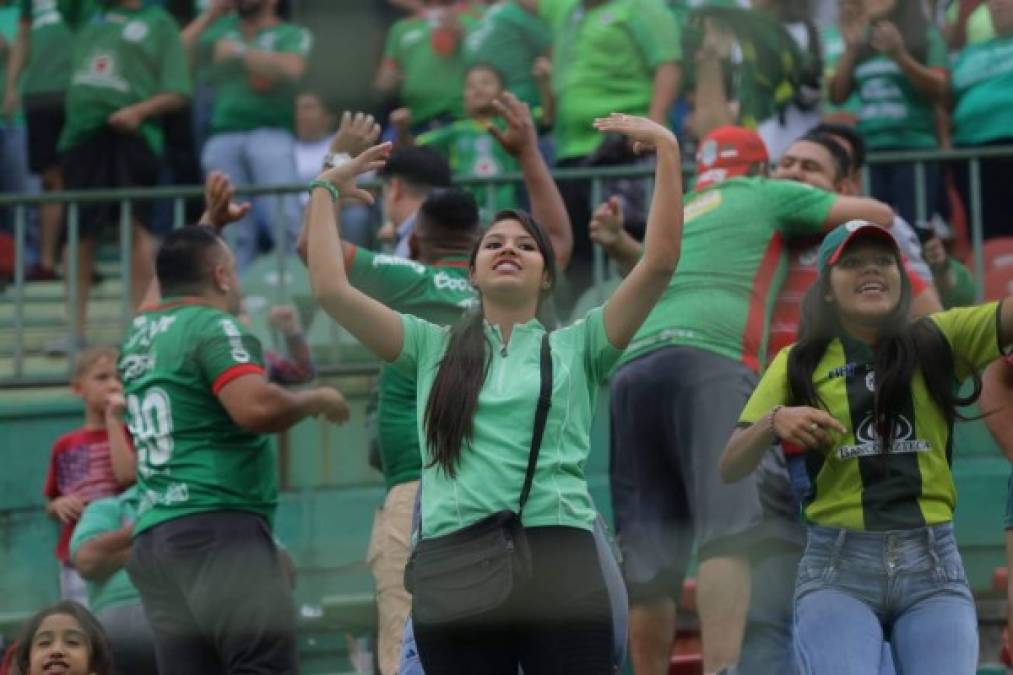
(89, 463)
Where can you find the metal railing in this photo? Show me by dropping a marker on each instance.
(178, 196)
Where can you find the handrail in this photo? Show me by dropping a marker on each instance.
(597, 175)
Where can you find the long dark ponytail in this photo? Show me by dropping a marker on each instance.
(453, 399)
(902, 348)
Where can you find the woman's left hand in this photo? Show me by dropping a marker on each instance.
(343, 176)
(646, 134)
(887, 39)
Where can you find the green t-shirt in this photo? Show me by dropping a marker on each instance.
(892, 114)
(244, 101)
(432, 82)
(102, 517)
(439, 294)
(850, 490)
(472, 151)
(604, 61)
(492, 467)
(833, 48)
(509, 38)
(191, 456)
(121, 58)
(731, 267)
(983, 88)
(53, 25)
(963, 291)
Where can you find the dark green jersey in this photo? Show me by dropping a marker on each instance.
(191, 456)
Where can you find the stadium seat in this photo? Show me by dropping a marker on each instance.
(998, 253)
(999, 281)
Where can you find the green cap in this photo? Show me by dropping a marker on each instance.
(838, 239)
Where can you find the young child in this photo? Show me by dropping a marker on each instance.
(468, 143)
(91, 462)
(64, 638)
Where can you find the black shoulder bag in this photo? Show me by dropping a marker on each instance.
(474, 570)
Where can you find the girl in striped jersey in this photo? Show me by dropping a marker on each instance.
(873, 399)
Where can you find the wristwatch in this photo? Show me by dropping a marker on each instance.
(333, 160)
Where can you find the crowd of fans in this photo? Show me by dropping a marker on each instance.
(793, 431)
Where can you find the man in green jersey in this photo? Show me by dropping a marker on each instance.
(682, 382)
(255, 61)
(128, 70)
(199, 409)
(434, 285)
(423, 62)
(38, 74)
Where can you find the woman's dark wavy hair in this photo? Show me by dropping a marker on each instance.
(453, 399)
(101, 655)
(903, 347)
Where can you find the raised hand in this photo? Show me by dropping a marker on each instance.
(805, 426)
(607, 222)
(887, 39)
(519, 137)
(356, 132)
(645, 134)
(343, 177)
(219, 209)
(286, 319)
(115, 405)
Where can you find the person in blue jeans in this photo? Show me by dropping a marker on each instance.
(873, 399)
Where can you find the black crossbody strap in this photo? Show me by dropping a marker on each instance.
(541, 414)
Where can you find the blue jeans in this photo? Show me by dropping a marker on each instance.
(258, 157)
(855, 589)
(16, 178)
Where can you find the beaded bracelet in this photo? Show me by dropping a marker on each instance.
(770, 419)
(333, 191)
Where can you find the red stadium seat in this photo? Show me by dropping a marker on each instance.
(998, 282)
(998, 253)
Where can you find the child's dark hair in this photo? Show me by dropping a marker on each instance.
(491, 68)
(101, 660)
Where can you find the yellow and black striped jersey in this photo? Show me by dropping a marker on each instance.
(853, 487)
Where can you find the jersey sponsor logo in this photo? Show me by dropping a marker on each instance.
(136, 365)
(848, 370)
(869, 444)
(100, 71)
(411, 37)
(703, 204)
(239, 353)
(175, 493)
(135, 31)
(444, 282)
(146, 330)
(667, 335)
(383, 259)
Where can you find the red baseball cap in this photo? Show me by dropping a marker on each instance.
(727, 152)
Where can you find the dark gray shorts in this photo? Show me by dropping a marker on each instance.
(673, 411)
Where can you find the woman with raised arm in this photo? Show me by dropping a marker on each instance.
(506, 572)
(872, 398)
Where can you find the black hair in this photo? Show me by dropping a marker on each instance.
(482, 65)
(185, 259)
(838, 153)
(101, 662)
(453, 399)
(902, 348)
(913, 25)
(327, 104)
(850, 134)
(450, 210)
(420, 167)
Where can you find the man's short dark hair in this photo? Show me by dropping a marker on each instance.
(842, 160)
(449, 210)
(185, 259)
(849, 134)
(421, 168)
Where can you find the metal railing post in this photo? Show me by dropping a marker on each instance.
(178, 213)
(73, 242)
(281, 244)
(126, 263)
(19, 291)
(598, 261)
(977, 230)
(921, 212)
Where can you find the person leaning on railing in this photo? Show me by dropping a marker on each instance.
(982, 99)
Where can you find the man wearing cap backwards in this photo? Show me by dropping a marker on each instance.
(682, 382)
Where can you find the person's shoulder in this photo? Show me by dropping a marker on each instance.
(68, 440)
